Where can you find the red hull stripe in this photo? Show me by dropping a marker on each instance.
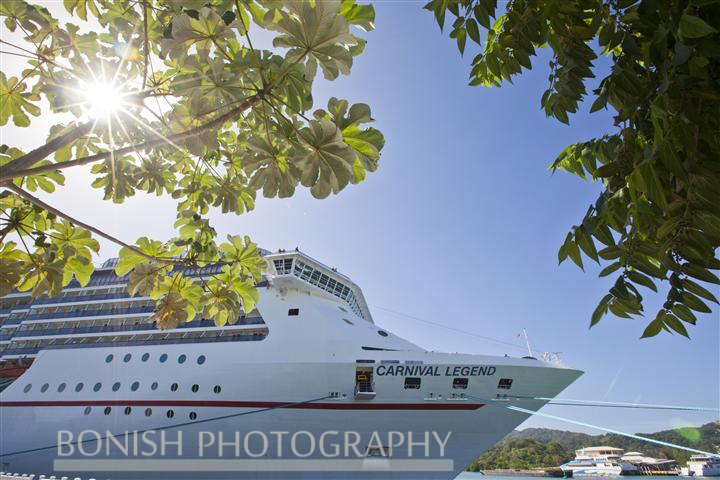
(231, 404)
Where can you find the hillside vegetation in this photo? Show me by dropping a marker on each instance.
(545, 447)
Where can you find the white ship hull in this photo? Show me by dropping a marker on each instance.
(301, 378)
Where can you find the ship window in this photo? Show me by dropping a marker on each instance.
(145, 357)
(174, 387)
(182, 358)
(128, 410)
(201, 359)
(61, 387)
(79, 387)
(135, 386)
(505, 383)
(378, 452)
(27, 387)
(341, 308)
(460, 383)
(97, 387)
(293, 312)
(109, 358)
(116, 386)
(412, 383)
(87, 410)
(154, 386)
(216, 389)
(382, 334)
(45, 387)
(163, 357)
(195, 388)
(348, 321)
(127, 358)
(107, 410)
(170, 414)
(193, 415)
(148, 412)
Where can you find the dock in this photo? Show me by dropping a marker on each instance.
(534, 472)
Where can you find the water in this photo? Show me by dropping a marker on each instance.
(479, 476)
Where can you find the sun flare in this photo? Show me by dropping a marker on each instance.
(102, 100)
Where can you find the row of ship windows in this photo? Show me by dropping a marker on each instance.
(148, 412)
(116, 386)
(92, 307)
(162, 358)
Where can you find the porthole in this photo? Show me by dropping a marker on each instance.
(182, 358)
(148, 412)
(174, 387)
(193, 415)
(195, 388)
(135, 386)
(127, 358)
(97, 387)
(154, 386)
(107, 410)
(116, 386)
(109, 358)
(163, 358)
(44, 387)
(145, 357)
(201, 359)
(348, 321)
(87, 410)
(382, 333)
(170, 414)
(128, 410)
(216, 389)
(79, 387)
(27, 387)
(61, 387)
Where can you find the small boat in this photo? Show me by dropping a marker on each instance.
(702, 466)
(599, 462)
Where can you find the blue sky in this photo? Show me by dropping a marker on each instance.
(460, 226)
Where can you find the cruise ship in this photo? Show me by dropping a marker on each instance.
(304, 386)
(702, 466)
(600, 462)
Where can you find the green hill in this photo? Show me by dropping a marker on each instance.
(545, 447)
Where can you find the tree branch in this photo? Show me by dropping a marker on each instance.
(36, 201)
(6, 177)
(31, 158)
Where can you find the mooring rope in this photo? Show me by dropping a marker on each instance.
(169, 427)
(597, 403)
(495, 403)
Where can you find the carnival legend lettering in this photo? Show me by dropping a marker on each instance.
(434, 370)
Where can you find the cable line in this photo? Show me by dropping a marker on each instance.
(597, 403)
(596, 427)
(169, 427)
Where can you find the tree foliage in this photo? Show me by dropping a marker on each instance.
(658, 216)
(201, 115)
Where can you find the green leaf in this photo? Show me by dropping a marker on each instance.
(610, 269)
(691, 301)
(672, 322)
(15, 103)
(693, 287)
(600, 310)
(473, 30)
(684, 313)
(700, 273)
(694, 27)
(641, 279)
(655, 326)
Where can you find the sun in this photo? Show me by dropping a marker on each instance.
(102, 99)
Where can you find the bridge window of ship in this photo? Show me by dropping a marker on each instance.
(505, 383)
(107, 410)
(116, 386)
(61, 387)
(174, 387)
(170, 414)
(79, 387)
(201, 359)
(217, 389)
(97, 387)
(135, 386)
(44, 387)
(412, 383)
(182, 358)
(293, 312)
(195, 388)
(460, 383)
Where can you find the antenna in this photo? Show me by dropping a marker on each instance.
(527, 342)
